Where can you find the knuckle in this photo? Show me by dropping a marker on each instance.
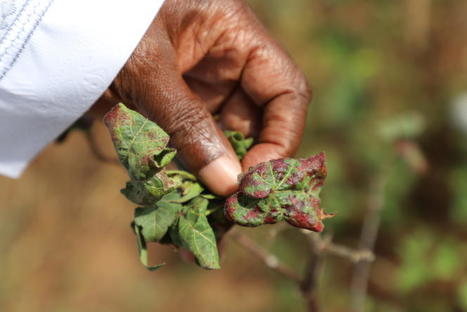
(304, 89)
(186, 119)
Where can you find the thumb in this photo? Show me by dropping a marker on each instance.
(201, 146)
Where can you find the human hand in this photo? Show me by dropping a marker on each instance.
(200, 58)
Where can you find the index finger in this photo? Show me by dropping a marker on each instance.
(275, 83)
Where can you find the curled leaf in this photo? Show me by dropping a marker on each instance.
(239, 143)
(147, 192)
(283, 189)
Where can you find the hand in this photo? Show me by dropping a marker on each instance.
(200, 58)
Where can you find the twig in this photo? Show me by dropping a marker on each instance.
(326, 246)
(319, 246)
(309, 284)
(270, 260)
(367, 242)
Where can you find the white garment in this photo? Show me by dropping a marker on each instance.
(56, 58)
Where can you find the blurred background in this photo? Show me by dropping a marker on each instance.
(390, 111)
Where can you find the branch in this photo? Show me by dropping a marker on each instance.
(309, 284)
(367, 242)
(326, 246)
(319, 247)
(270, 260)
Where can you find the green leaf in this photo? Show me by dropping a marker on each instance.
(239, 143)
(187, 185)
(147, 192)
(155, 221)
(196, 234)
(184, 193)
(174, 234)
(141, 145)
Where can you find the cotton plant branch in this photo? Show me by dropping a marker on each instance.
(309, 284)
(175, 208)
(410, 152)
(319, 247)
(326, 246)
(268, 259)
(368, 236)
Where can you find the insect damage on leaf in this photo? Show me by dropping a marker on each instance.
(283, 189)
(140, 144)
(175, 208)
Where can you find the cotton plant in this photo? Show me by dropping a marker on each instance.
(175, 208)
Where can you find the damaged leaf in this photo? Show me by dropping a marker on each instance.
(141, 145)
(283, 189)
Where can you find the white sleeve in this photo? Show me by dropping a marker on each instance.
(56, 58)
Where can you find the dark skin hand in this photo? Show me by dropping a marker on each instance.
(200, 58)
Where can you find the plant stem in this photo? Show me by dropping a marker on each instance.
(369, 233)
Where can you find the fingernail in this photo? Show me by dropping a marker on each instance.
(221, 174)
